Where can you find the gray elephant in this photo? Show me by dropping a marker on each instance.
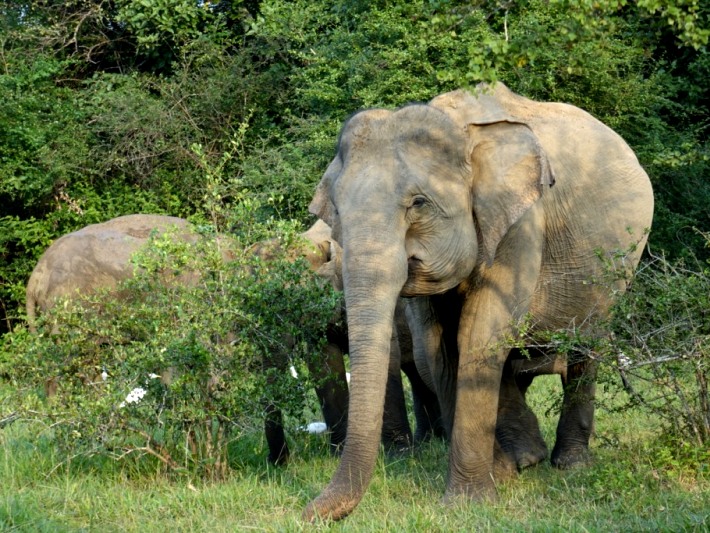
(98, 256)
(486, 209)
(95, 257)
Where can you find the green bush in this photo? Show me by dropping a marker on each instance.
(661, 346)
(175, 370)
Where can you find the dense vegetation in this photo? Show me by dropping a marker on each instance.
(226, 112)
(103, 101)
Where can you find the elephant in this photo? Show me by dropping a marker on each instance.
(98, 256)
(488, 211)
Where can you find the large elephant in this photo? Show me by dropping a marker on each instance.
(486, 209)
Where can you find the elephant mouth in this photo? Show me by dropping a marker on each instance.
(414, 264)
(421, 281)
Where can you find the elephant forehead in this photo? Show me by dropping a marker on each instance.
(419, 125)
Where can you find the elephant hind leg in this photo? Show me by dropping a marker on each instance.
(517, 429)
(577, 417)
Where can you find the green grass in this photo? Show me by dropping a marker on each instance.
(628, 487)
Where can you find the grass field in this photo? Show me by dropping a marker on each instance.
(632, 485)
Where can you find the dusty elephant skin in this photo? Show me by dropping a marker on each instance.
(483, 209)
(95, 257)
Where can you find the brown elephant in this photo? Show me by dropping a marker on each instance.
(99, 257)
(95, 257)
(486, 209)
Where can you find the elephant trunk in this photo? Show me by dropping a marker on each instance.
(373, 275)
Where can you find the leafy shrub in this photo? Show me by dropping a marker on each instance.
(652, 352)
(662, 345)
(170, 369)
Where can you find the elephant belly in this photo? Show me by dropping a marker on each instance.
(573, 290)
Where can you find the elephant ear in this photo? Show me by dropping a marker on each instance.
(321, 205)
(509, 167)
(509, 172)
(332, 270)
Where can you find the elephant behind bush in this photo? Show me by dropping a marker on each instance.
(98, 257)
(95, 257)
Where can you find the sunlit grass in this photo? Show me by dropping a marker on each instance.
(625, 489)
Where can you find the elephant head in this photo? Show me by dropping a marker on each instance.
(451, 204)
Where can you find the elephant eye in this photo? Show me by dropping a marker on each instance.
(418, 201)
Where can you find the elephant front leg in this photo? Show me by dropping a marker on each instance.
(275, 437)
(332, 392)
(577, 418)
(477, 461)
(433, 323)
(427, 412)
(396, 431)
(490, 310)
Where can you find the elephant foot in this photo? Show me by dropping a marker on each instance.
(528, 458)
(526, 453)
(523, 443)
(398, 450)
(280, 458)
(570, 457)
(397, 443)
(483, 489)
(504, 465)
(467, 492)
(429, 432)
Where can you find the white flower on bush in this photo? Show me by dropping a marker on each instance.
(623, 360)
(135, 396)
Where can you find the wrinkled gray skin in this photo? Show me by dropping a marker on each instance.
(483, 209)
(95, 257)
(324, 257)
